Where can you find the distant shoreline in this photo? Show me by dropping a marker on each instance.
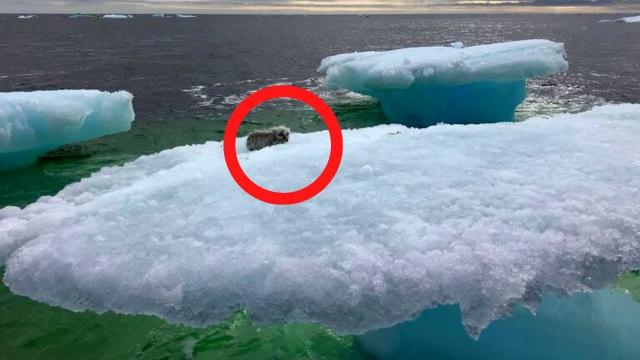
(391, 10)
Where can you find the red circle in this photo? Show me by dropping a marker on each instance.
(257, 98)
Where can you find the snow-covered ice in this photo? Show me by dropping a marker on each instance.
(631, 19)
(485, 216)
(32, 123)
(117, 16)
(427, 85)
(628, 19)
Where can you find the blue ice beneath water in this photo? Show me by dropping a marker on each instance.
(424, 86)
(426, 105)
(601, 325)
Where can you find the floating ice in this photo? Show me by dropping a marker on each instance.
(599, 325)
(185, 16)
(32, 123)
(23, 17)
(424, 86)
(629, 19)
(484, 216)
(80, 15)
(116, 16)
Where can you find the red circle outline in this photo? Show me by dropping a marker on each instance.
(238, 116)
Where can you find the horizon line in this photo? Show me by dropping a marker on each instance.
(431, 10)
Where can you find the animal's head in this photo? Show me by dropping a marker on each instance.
(281, 133)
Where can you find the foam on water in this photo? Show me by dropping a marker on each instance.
(32, 123)
(482, 216)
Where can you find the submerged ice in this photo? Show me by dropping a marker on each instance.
(32, 123)
(481, 216)
(458, 85)
(599, 325)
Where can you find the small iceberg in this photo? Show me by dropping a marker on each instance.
(461, 85)
(32, 123)
(80, 15)
(23, 17)
(117, 16)
(483, 217)
(629, 19)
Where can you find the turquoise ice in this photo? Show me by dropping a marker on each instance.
(599, 325)
(32, 123)
(427, 85)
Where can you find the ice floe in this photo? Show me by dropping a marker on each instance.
(483, 216)
(116, 16)
(424, 86)
(628, 19)
(32, 123)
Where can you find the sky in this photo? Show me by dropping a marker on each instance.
(316, 6)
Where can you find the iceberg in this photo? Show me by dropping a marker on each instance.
(116, 16)
(459, 85)
(80, 15)
(25, 17)
(628, 19)
(32, 123)
(484, 217)
(631, 19)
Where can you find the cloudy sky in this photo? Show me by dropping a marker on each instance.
(315, 6)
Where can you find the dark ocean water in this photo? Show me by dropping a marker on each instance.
(157, 59)
(188, 74)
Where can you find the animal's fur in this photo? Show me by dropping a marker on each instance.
(262, 138)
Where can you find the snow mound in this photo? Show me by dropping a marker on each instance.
(484, 216)
(32, 123)
(427, 85)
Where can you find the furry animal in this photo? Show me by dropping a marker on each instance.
(262, 138)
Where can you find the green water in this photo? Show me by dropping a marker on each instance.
(630, 282)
